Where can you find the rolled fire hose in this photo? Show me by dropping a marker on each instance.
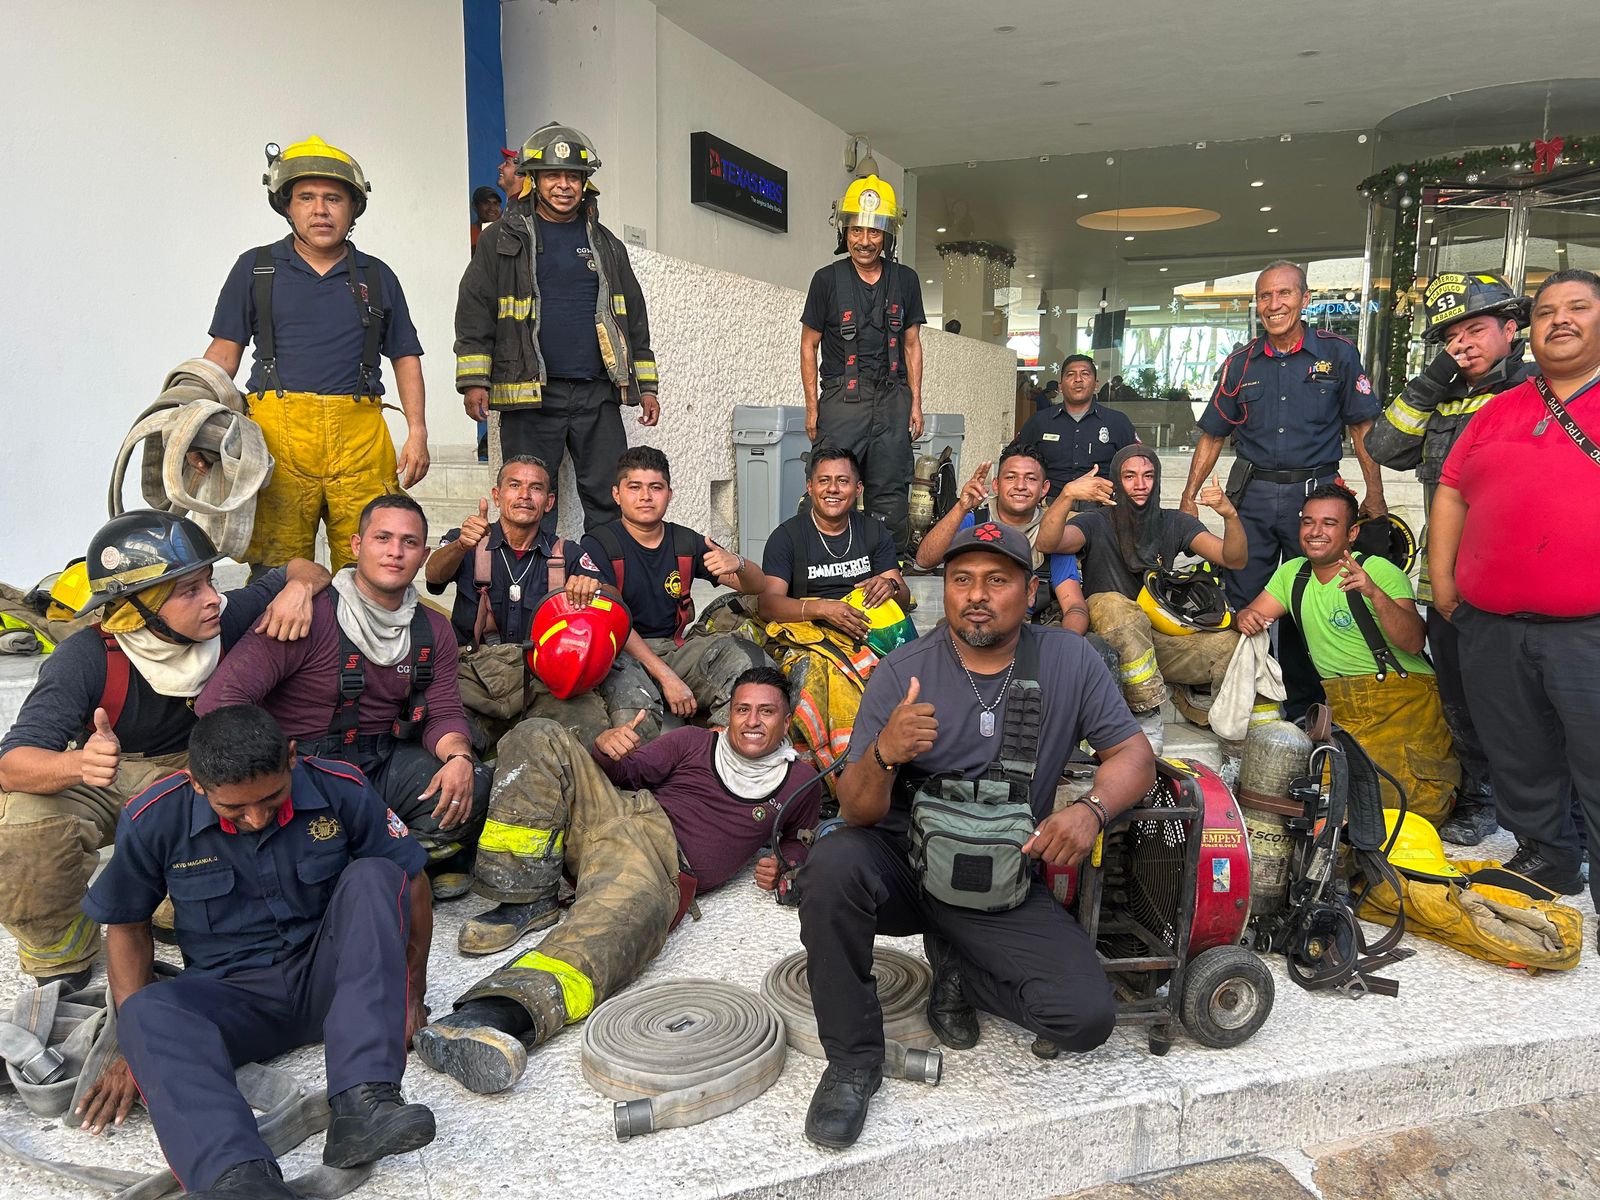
(681, 1052)
(903, 982)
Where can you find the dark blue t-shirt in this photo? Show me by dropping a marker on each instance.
(651, 583)
(316, 326)
(569, 293)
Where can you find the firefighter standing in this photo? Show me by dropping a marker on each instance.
(320, 313)
(865, 315)
(1473, 319)
(551, 329)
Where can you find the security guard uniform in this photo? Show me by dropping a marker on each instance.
(291, 935)
(1287, 412)
(1070, 446)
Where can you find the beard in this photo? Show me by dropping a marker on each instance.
(981, 639)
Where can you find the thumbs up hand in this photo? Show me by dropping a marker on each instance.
(101, 754)
(616, 744)
(474, 529)
(1088, 486)
(911, 729)
(1214, 498)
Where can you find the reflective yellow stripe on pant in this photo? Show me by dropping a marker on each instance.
(332, 455)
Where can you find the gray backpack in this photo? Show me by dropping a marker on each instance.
(967, 835)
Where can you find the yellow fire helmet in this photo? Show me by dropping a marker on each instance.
(1417, 850)
(888, 628)
(1180, 603)
(69, 592)
(312, 158)
(869, 203)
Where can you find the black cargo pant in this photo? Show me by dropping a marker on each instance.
(1445, 650)
(876, 428)
(580, 415)
(1033, 965)
(1534, 691)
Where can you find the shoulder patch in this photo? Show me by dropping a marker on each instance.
(397, 827)
(1363, 385)
(161, 787)
(331, 766)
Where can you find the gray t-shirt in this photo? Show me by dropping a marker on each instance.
(1081, 701)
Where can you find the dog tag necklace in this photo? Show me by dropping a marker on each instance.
(985, 711)
(515, 591)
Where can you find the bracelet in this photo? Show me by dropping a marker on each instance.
(450, 758)
(1097, 807)
(803, 604)
(882, 762)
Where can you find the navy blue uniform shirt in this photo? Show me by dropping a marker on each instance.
(246, 899)
(315, 323)
(569, 294)
(530, 570)
(1068, 447)
(1290, 410)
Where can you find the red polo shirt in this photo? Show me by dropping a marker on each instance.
(1529, 543)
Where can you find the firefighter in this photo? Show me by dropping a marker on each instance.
(864, 313)
(551, 328)
(1473, 320)
(320, 314)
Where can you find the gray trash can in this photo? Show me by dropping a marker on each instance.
(769, 446)
(938, 431)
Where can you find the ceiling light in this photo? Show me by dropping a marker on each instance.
(1129, 238)
(1258, 183)
(1314, 103)
(1199, 145)
(1286, 137)
(1309, 53)
(1110, 162)
(1049, 83)
(1163, 269)
(1005, 28)
(1083, 195)
(1266, 208)
(927, 281)
(1361, 139)
(941, 229)
(1030, 276)
(1561, 249)
(1044, 158)
(1274, 229)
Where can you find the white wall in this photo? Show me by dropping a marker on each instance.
(133, 143)
(639, 85)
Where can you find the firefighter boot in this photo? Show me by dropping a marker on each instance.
(372, 1121)
(949, 1013)
(1469, 824)
(503, 925)
(479, 1045)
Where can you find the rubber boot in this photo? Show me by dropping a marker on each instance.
(504, 925)
(257, 1179)
(472, 1048)
(372, 1121)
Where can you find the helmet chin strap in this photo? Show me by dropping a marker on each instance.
(158, 626)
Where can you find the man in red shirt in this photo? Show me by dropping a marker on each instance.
(1514, 569)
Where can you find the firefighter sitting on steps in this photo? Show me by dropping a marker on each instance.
(320, 313)
(502, 571)
(111, 714)
(642, 829)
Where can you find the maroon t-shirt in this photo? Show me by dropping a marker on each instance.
(298, 682)
(716, 830)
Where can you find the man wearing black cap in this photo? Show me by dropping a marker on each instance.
(958, 748)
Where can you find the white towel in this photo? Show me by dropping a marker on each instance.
(1252, 672)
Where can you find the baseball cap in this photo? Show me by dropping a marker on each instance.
(995, 538)
(504, 153)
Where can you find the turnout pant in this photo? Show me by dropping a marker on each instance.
(554, 810)
(1270, 514)
(877, 428)
(583, 416)
(1033, 966)
(184, 1038)
(333, 454)
(1444, 648)
(1151, 660)
(1400, 724)
(399, 771)
(48, 850)
(1534, 691)
(707, 665)
(499, 691)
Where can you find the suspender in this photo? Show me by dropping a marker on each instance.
(346, 721)
(685, 548)
(1383, 656)
(366, 291)
(845, 276)
(485, 629)
(115, 694)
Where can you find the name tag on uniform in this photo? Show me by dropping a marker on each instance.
(1051, 437)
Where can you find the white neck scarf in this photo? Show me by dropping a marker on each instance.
(381, 634)
(751, 778)
(171, 668)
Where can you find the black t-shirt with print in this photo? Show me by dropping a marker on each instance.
(834, 565)
(651, 583)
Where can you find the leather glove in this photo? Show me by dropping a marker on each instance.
(1443, 370)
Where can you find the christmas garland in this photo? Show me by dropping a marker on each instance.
(977, 249)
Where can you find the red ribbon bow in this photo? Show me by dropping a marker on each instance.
(1546, 155)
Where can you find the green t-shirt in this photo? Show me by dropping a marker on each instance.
(1332, 636)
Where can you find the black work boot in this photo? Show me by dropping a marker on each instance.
(839, 1105)
(1469, 824)
(74, 981)
(257, 1179)
(953, 1018)
(372, 1121)
(503, 925)
(472, 1048)
(1566, 881)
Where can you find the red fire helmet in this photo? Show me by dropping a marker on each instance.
(573, 648)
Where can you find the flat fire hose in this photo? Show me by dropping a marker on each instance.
(903, 982)
(681, 1052)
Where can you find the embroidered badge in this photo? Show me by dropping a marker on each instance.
(674, 585)
(987, 532)
(323, 829)
(397, 827)
(587, 563)
(1363, 385)
(758, 814)
(1105, 434)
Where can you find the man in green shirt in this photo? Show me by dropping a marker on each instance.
(1378, 684)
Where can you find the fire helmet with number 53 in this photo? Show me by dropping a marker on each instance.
(1453, 297)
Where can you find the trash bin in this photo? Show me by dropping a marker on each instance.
(938, 431)
(769, 447)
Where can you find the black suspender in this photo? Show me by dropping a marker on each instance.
(1383, 656)
(346, 722)
(266, 342)
(366, 290)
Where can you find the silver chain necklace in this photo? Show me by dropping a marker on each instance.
(986, 715)
(516, 580)
(850, 537)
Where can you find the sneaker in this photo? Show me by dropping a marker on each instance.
(1469, 824)
(839, 1105)
(372, 1121)
(1565, 881)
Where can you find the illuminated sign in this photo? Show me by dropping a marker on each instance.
(734, 182)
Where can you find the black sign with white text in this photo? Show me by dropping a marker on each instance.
(737, 183)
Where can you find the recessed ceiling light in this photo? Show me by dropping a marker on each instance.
(1030, 276)
(941, 229)
(971, 163)
(1361, 139)
(1083, 195)
(1083, 124)
(1044, 158)
(1309, 53)
(1314, 103)
(1049, 83)
(1005, 28)
(1266, 208)
(1258, 183)
(1129, 238)
(1163, 270)
(1274, 229)
(1561, 249)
